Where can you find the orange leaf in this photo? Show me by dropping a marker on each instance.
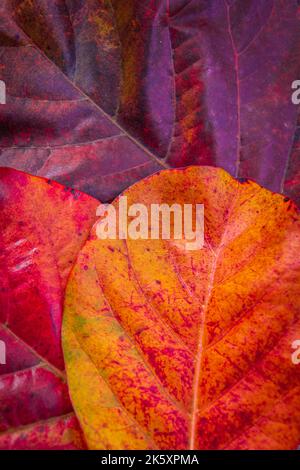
(174, 349)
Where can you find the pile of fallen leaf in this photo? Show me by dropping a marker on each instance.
(141, 344)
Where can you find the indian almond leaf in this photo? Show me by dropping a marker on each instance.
(108, 92)
(189, 349)
(43, 225)
(68, 64)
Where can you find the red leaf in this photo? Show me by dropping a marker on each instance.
(42, 227)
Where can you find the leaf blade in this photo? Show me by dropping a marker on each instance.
(181, 83)
(43, 225)
(141, 312)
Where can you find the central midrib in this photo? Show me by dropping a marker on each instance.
(238, 92)
(199, 355)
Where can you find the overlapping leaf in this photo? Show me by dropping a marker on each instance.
(42, 227)
(190, 349)
(105, 88)
(67, 59)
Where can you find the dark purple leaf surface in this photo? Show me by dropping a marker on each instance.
(101, 94)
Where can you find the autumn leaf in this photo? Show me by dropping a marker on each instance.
(43, 225)
(190, 349)
(58, 121)
(108, 92)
